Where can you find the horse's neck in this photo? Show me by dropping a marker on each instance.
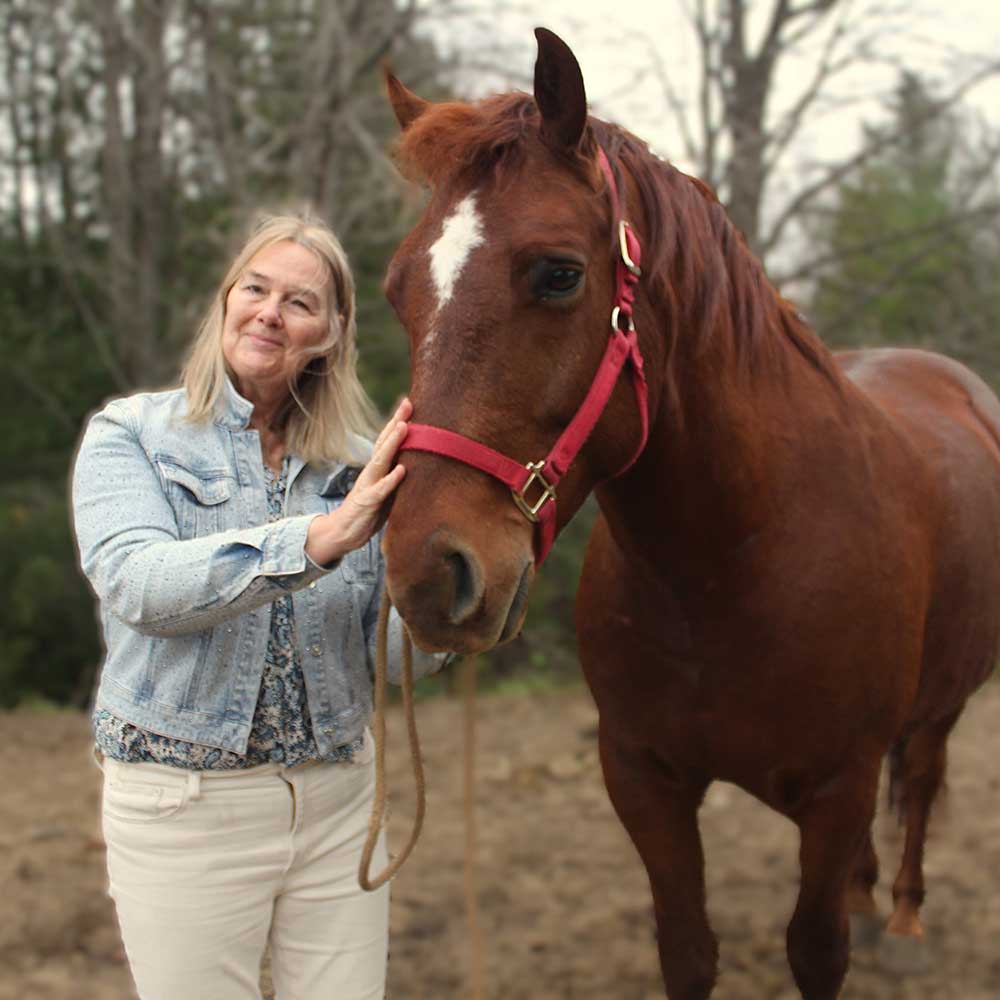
(722, 458)
(744, 392)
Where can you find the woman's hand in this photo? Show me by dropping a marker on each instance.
(359, 516)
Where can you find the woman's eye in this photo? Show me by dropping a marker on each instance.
(554, 280)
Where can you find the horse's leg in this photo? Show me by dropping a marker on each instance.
(865, 924)
(833, 827)
(660, 812)
(920, 769)
(864, 876)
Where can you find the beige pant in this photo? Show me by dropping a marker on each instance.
(206, 869)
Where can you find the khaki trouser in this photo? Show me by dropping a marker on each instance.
(207, 868)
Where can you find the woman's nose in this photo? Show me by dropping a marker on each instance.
(270, 312)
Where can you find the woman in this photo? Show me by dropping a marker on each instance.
(232, 543)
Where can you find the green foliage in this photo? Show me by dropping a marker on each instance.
(113, 237)
(49, 646)
(911, 264)
(383, 351)
(54, 369)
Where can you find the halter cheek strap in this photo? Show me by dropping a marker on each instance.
(533, 485)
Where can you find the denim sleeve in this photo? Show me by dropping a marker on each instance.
(424, 664)
(141, 571)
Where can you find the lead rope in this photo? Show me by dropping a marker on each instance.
(365, 880)
(473, 929)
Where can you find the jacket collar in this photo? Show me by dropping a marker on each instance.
(340, 481)
(232, 410)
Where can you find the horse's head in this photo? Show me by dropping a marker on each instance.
(505, 288)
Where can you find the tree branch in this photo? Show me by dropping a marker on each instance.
(841, 170)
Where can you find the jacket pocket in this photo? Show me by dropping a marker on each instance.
(198, 498)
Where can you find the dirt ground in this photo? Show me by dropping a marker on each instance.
(565, 907)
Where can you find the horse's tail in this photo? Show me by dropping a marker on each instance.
(897, 776)
(897, 787)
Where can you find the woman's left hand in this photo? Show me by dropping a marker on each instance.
(359, 516)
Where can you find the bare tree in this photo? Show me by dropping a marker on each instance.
(737, 134)
(138, 134)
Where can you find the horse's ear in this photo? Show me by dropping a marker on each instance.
(406, 105)
(559, 91)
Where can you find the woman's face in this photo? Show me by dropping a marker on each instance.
(279, 305)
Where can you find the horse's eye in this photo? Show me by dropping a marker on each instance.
(555, 279)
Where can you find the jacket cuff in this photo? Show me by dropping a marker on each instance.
(283, 553)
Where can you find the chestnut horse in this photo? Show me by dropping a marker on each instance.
(798, 573)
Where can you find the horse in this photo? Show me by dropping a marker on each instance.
(795, 570)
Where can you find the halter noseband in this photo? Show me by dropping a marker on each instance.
(542, 477)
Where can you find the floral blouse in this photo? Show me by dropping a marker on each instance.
(281, 732)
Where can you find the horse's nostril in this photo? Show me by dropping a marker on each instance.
(467, 591)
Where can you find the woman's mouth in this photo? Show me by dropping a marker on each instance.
(265, 342)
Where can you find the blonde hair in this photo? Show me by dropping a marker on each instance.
(327, 411)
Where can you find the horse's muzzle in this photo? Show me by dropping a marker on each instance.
(443, 593)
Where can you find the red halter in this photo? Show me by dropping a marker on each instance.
(544, 476)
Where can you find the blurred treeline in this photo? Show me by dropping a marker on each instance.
(139, 139)
(138, 142)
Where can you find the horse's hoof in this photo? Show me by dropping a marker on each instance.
(866, 930)
(903, 955)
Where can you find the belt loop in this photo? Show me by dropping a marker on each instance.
(194, 786)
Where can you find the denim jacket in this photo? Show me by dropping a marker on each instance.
(171, 524)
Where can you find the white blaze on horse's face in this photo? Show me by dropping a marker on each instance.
(461, 233)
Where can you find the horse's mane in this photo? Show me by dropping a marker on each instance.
(698, 265)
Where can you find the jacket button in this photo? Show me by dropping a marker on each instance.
(316, 650)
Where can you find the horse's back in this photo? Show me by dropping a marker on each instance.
(952, 419)
(897, 378)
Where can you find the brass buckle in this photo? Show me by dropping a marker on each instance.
(528, 509)
(623, 249)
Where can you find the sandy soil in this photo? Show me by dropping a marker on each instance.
(565, 907)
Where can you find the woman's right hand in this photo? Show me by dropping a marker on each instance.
(333, 535)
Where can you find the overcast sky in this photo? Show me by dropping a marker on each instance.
(614, 42)
(617, 45)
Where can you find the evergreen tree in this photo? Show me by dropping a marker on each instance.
(137, 142)
(911, 260)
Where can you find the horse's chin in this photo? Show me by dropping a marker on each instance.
(495, 618)
(518, 607)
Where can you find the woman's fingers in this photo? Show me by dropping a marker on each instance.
(378, 491)
(405, 409)
(379, 477)
(403, 413)
(363, 511)
(384, 453)
(390, 481)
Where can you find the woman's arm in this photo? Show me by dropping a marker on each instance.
(131, 552)
(157, 584)
(360, 515)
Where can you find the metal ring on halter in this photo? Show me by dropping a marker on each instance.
(623, 228)
(616, 315)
